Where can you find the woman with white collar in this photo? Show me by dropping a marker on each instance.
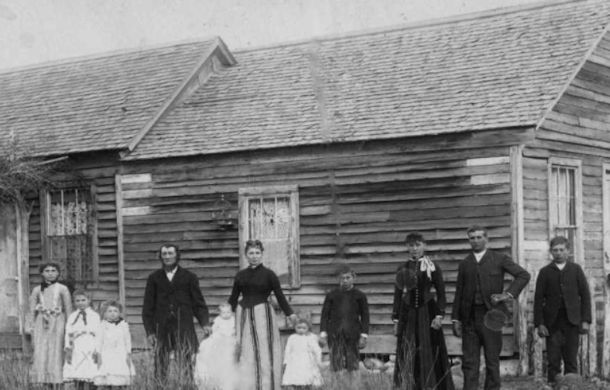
(421, 352)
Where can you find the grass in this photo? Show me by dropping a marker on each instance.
(14, 376)
(179, 379)
(14, 370)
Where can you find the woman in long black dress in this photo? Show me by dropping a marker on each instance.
(421, 353)
(258, 337)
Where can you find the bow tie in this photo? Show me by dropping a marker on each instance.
(81, 313)
(46, 284)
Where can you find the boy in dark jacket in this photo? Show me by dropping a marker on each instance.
(345, 322)
(562, 308)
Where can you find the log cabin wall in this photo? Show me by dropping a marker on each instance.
(95, 171)
(357, 203)
(576, 131)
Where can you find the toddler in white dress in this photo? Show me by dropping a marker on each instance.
(302, 358)
(82, 328)
(114, 349)
(215, 366)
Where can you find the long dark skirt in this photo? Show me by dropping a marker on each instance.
(421, 353)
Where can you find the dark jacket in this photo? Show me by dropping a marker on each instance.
(345, 313)
(572, 288)
(171, 306)
(490, 272)
(425, 294)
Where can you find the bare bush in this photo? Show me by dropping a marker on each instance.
(20, 174)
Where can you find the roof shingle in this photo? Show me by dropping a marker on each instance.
(492, 71)
(93, 104)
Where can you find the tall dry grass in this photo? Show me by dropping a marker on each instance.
(14, 375)
(14, 366)
(179, 372)
(359, 380)
(13, 370)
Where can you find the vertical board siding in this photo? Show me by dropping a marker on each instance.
(356, 206)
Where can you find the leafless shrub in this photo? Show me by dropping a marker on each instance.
(20, 174)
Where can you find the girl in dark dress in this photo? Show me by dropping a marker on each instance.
(258, 338)
(421, 353)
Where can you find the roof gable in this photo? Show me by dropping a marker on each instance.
(581, 114)
(93, 104)
(493, 71)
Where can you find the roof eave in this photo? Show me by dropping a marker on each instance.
(526, 126)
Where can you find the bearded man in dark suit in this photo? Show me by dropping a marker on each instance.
(480, 288)
(171, 299)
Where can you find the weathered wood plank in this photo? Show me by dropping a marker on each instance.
(136, 178)
(119, 179)
(410, 180)
(578, 129)
(572, 139)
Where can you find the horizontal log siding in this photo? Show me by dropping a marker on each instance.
(535, 171)
(99, 171)
(357, 203)
(577, 128)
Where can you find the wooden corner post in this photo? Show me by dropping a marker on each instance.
(517, 233)
(119, 242)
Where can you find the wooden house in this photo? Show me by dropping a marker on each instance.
(330, 151)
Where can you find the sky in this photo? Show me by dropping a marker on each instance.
(37, 31)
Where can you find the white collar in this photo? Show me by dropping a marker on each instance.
(479, 255)
(560, 266)
(170, 274)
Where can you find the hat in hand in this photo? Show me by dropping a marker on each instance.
(495, 319)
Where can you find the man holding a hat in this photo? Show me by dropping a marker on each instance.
(479, 307)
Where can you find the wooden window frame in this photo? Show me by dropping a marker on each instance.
(578, 246)
(45, 200)
(293, 192)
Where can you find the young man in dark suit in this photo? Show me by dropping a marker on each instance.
(562, 308)
(345, 322)
(171, 299)
(480, 288)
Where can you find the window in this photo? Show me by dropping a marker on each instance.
(69, 233)
(565, 215)
(270, 214)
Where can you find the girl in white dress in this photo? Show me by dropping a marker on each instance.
(114, 349)
(215, 366)
(302, 358)
(82, 329)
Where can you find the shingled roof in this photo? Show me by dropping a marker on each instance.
(499, 69)
(92, 104)
(495, 70)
